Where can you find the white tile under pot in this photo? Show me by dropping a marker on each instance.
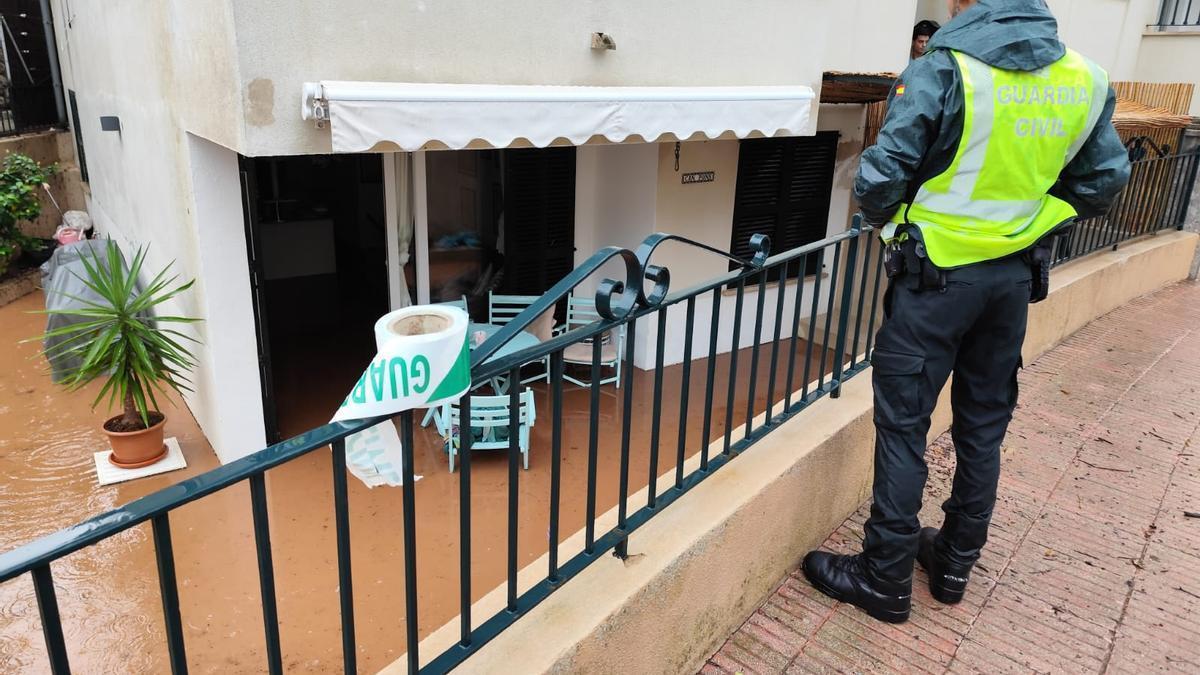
(108, 473)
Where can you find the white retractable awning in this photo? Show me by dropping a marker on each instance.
(364, 114)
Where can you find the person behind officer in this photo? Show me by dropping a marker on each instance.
(993, 142)
(922, 32)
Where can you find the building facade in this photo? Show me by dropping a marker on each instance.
(296, 249)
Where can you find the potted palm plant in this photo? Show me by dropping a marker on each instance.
(114, 335)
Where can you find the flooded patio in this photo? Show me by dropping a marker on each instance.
(108, 594)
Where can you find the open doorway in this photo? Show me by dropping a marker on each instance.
(499, 220)
(316, 232)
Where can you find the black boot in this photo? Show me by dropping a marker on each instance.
(843, 578)
(947, 581)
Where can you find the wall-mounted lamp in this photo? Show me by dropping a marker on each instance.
(603, 41)
(110, 123)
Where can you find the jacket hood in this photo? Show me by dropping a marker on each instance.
(1008, 34)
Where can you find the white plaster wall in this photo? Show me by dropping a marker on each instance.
(228, 398)
(850, 122)
(704, 212)
(1106, 31)
(1171, 57)
(615, 195)
(673, 42)
(869, 35)
(615, 190)
(936, 10)
(172, 73)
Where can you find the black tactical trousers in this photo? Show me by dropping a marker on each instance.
(974, 328)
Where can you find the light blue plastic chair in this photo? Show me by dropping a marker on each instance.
(505, 308)
(489, 424)
(581, 312)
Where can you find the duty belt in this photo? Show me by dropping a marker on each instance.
(909, 257)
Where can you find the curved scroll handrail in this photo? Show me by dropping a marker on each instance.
(661, 276)
(615, 299)
(1141, 146)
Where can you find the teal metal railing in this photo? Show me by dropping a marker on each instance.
(643, 294)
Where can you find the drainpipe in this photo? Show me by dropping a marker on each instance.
(52, 50)
(1191, 143)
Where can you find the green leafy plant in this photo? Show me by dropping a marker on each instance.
(122, 340)
(20, 180)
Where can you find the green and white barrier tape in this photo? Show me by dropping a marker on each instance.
(423, 361)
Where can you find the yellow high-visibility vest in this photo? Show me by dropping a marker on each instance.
(1020, 129)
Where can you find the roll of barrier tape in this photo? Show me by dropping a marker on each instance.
(422, 361)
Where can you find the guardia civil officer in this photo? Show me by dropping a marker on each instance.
(994, 141)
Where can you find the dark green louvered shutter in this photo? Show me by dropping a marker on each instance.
(539, 218)
(783, 190)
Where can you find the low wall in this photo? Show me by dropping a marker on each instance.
(698, 569)
(50, 147)
(17, 287)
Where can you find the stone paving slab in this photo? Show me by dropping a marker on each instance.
(1091, 564)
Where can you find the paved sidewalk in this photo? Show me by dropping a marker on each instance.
(1091, 566)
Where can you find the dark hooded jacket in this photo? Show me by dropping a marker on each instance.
(923, 126)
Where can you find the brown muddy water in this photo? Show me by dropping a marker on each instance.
(108, 594)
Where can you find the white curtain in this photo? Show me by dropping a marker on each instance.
(404, 218)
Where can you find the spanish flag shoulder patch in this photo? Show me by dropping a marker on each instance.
(900, 90)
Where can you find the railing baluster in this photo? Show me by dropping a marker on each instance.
(733, 360)
(266, 570)
(839, 355)
(758, 321)
(1111, 224)
(514, 480)
(168, 589)
(1165, 180)
(1112, 218)
(1175, 175)
(593, 443)
(1167, 216)
(812, 326)
(780, 292)
(1174, 191)
(1115, 219)
(1144, 224)
(464, 518)
(47, 601)
(862, 297)
(801, 273)
(685, 392)
(622, 548)
(656, 405)
(1167, 196)
(880, 277)
(341, 515)
(713, 332)
(1137, 206)
(833, 287)
(556, 414)
(1121, 219)
(1189, 186)
(409, 516)
(1135, 209)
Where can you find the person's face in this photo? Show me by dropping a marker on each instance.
(919, 45)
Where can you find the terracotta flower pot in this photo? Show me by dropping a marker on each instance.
(135, 449)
